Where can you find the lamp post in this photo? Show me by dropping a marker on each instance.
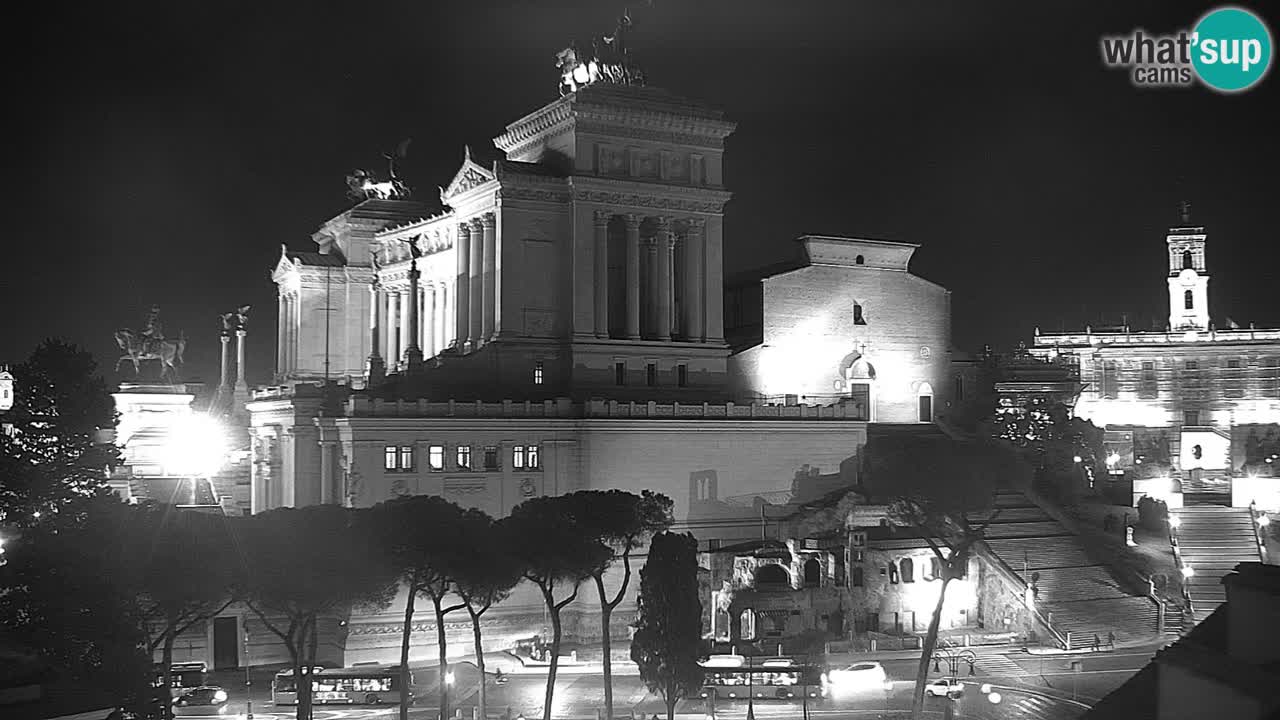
(751, 689)
(248, 681)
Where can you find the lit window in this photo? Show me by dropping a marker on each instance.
(389, 457)
(651, 374)
(406, 457)
(531, 457)
(537, 373)
(619, 373)
(491, 458)
(435, 457)
(464, 457)
(517, 457)
(682, 375)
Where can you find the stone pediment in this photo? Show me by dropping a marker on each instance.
(468, 177)
(284, 266)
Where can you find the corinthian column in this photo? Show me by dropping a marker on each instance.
(241, 385)
(393, 321)
(281, 335)
(602, 273)
(633, 275)
(663, 244)
(462, 292)
(475, 328)
(693, 328)
(429, 346)
(488, 225)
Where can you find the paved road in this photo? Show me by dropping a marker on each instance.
(1030, 687)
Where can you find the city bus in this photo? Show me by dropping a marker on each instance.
(734, 677)
(367, 685)
(186, 676)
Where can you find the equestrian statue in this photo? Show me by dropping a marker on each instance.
(150, 344)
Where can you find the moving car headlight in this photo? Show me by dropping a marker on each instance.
(220, 696)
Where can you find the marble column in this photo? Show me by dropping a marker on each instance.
(224, 382)
(412, 351)
(405, 316)
(429, 316)
(475, 282)
(649, 319)
(376, 369)
(713, 288)
(462, 295)
(292, 333)
(282, 329)
(602, 273)
(693, 327)
(242, 386)
(393, 323)
(328, 448)
(488, 224)
(633, 275)
(664, 245)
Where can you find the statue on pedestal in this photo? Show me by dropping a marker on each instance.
(150, 344)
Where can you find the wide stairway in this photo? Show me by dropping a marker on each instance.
(1212, 540)
(1079, 595)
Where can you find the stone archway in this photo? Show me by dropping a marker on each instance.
(924, 402)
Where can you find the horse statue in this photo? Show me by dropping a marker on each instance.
(137, 349)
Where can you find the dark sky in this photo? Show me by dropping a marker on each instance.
(161, 152)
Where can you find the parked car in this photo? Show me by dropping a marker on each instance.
(204, 700)
(944, 687)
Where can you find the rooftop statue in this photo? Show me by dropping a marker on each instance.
(609, 61)
(363, 185)
(150, 344)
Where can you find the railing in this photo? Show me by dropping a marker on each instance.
(361, 406)
(1177, 560)
(1254, 517)
(1176, 336)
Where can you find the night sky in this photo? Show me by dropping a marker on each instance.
(162, 152)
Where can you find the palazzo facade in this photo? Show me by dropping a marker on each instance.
(1197, 403)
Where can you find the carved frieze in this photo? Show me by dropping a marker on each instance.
(649, 201)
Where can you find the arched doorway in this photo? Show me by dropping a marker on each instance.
(924, 403)
(812, 573)
(860, 377)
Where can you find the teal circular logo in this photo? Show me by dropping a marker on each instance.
(1231, 49)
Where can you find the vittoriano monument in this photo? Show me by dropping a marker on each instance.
(151, 344)
(608, 61)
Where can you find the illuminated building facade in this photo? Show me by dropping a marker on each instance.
(559, 326)
(1194, 403)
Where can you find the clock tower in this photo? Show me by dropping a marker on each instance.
(1188, 280)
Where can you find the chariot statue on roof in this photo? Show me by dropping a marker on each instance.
(609, 61)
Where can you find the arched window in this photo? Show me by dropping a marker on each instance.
(857, 316)
(772, 575)
(857, 577)
(935, 569)
(1187, 300)
(1187, 263)
(859, 260)
(908, 570)
(812, 573)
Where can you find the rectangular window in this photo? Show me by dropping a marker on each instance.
(651, 374)
(531, 457)
(619, 374)
(435, 457)
(959, 390)
(1109, 379)
(1234, 386)
(464, 457)
(682, 375)
(1233, 364)
(389, 458)
(517, 457)
(406, 458)
(1149, 387)
(537, 373)
(1191, 417)
(1191, 365)
(491, 458)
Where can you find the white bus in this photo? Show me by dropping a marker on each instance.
(361, 685)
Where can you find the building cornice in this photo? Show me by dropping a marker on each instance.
(649, 196)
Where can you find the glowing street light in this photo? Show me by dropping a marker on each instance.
(1263, 520)
(1187, 572)
(448, 678)
(1112, 459)
(1174, 521)
(1078, 459)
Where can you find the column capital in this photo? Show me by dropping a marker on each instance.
(477, 225)
(697, 223)
(241, 332)
(632, 221)
(602, 218)
(489, 220)
(663, 223)
(464, 228)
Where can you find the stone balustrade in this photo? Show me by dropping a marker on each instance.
(608, 409)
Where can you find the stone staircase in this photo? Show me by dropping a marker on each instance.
(1212, 540)
(1079, 596)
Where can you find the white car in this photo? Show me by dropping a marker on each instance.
(858, 676)
(944, 687)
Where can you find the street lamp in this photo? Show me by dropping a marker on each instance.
(1187, 572)
(248, 682)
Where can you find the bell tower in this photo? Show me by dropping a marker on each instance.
(1188, 279)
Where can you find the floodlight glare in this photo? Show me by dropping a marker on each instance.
(196, 446)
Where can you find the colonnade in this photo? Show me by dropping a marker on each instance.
(389, 315)
(656, 306)
(290, 321)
